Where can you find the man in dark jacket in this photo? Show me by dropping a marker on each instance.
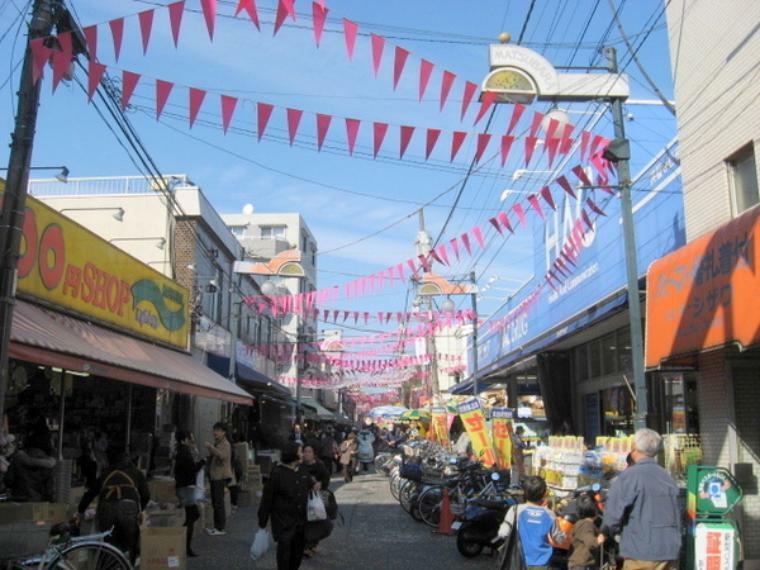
(186, 470)
(284, 500)
(122, 493)
(643, 505)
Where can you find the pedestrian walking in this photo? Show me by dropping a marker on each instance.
(518, 455)
(328, 450)
(315, 531)
(123, 493)
(186, 470)
(366, 451)
(642, 504)
(283, 501)
(220, 474)
(348, 450)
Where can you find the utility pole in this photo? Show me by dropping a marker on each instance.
(14, 198)
(622, 154)
(424, 245)
(474, 299)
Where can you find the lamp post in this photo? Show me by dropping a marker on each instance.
(521, 75)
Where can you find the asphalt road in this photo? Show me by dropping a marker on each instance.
(377, 535)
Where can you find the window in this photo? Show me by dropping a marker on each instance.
(609, 354)
(313, 255)
(273, 232)
(581, 359)
(595, 356)
(238, 231)
(304, 242)
(743, 179)
(625, 363)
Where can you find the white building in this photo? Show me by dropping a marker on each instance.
(264, 236)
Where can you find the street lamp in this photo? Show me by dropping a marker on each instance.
(521, 75)
(62, 176)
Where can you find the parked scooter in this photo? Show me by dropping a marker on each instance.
(480, 527)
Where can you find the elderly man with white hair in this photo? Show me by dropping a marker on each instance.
(643, 505)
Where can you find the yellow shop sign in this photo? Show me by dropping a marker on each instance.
(66, 265)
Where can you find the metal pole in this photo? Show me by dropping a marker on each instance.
(128, 437)
(474, 299)
(299, 340)
(14, 198)
(629, 240)
(61, 415)
(423, 248)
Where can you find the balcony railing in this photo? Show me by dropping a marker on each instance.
(102, 185)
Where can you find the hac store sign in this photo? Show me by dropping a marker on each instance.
(67, 266)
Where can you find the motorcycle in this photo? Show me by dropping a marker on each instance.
(480, 527)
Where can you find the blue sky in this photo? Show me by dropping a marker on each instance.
(288, 70)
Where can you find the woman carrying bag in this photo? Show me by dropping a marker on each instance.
(186, 470)
(348, 450)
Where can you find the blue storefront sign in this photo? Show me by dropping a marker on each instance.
(597, 285)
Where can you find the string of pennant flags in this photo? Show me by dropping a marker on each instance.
(379, 45)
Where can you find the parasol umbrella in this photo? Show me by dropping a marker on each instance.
(416, 415)
(387, 411)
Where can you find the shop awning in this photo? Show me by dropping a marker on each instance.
(50, 338)
(247, 376)
(322, 412)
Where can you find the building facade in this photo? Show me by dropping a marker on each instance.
(706, 315)
(182, 236)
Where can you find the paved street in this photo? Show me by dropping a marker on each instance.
(377, 535)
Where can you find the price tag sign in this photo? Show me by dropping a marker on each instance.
(475, 423)
(501, 425)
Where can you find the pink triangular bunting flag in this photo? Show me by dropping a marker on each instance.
(506, 146)
(294, 119)
(546, 193)
(536, 205)
(582, 176)
(146, 25)
(442, 254)
(91, 39)
(250, 7)
(469, 91)
(196, 100)
(209, 14)
(323, 124)
(478, 233)
(406, 137)
(117, 33)
(163, 90)
(466, 242)
(228, 109)
(567, 142)
(95, 74)
(447, 80)
(456, 143)
(495, 223)
(504, 219)
(62, 58)
(585, 138)
(399, 61)
(319, 15)
(129, 81)
(430, 140)
(176, 10)
(378, 43)
(285, 8)
(352, 129)
(483, 140)
(379, 130)
(516, 114)
(350, 29)
(594, 207)
(518, 209)
(566, 186)
(426, 69)
(263, 112)
(455, 247)
(488, 99)
(530, 146)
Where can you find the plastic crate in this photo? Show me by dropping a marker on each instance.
(23, 539)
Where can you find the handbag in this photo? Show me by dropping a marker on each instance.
(315, 508)
(511, 553)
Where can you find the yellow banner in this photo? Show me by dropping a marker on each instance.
(68, 266)
(440, 425)
(475, 423)
(501, 425)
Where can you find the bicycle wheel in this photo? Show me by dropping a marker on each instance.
(91, 556)
(430, 506)
(406, 495)
(395, 484)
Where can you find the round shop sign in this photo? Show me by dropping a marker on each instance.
(718, 492)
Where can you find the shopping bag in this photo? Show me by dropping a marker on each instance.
(260, 544)
(331, 505)
(200, 486)
(316, 508)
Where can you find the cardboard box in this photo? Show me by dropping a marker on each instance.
(165, 517)
(162, 548)
(53, 513)
(163, 491)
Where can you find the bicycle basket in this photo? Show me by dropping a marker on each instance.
(23, 539)
(411, 471)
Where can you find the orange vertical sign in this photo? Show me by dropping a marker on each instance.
(440, 425)
(501, 425)
(475, 423)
